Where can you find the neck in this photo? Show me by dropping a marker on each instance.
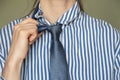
(53, 9)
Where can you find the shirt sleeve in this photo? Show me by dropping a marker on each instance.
(117, 57)
(2, 60)
(5, 41)
(1, 66)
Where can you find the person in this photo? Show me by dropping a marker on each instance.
(92, 46)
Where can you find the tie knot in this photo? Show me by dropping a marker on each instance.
(51, 28)
(55, 29)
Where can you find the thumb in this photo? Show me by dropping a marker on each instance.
(33, 37)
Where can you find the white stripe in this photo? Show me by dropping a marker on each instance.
(88, 43)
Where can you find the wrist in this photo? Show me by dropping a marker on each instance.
(12, 68)
(13, 61)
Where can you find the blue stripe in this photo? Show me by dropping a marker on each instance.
(92, 48)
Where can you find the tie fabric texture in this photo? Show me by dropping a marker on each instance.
(58, 65)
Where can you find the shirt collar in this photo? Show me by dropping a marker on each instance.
(66, 18)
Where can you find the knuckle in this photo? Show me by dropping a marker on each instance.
(30, 19)
(18, 29)
(16, 26)
(34, 28)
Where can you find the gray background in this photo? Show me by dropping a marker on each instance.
(108, 10)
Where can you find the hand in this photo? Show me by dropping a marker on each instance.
(24, 34)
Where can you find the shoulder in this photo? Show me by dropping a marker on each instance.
(11, 24)
(6, 33)
(8, 28)
(6, 36)
(99, 27)
(91, 22)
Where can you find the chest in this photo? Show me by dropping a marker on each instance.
(88, 56)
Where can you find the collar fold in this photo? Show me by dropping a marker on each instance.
(66, 18)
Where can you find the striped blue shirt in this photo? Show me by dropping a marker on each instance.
(92, 48)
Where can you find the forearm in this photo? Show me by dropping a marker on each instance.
(12, 68)
(21, 39)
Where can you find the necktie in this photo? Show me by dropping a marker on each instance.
(58, 65)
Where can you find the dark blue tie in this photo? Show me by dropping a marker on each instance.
(58, 65)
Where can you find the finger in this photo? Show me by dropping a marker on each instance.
(29, 29)
(24, 26)
(29, 26)
(29, 20)
(33, 38)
